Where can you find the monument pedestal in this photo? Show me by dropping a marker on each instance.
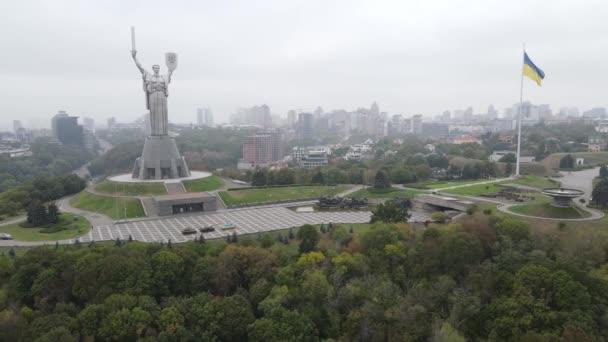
(160, 159)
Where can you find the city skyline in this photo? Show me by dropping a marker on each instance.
(410, 58)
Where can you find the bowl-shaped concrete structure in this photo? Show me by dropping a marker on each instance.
(562, 197)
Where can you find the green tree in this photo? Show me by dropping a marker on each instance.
(508, 158)
(309, 237)
(382, 180)
(237, 316)
(389, 212)
(318, 178)
(567, 162)
(52, 213)
(603, 171)
(599, 195)
(258, 178)
(282, 325)
(509, 169)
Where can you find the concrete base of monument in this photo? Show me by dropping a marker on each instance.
(127, 178)
(160, 159)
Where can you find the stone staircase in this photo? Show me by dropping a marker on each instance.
(175, 188)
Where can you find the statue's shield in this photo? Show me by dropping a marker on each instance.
(171, 60)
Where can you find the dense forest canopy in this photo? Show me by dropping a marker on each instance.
(47, 160)
(40, 190)
(482, 278)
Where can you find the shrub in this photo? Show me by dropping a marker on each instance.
(472, 209)
(51, 230)
(487, 211)
(440, 217)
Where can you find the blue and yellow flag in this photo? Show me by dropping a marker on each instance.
(532, 71)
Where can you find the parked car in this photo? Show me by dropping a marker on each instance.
(228, 226)
(5, 236)
(188, 231)
(206, 229)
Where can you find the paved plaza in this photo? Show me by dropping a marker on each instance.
(247, 221)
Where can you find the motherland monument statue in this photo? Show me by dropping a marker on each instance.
(160, 158)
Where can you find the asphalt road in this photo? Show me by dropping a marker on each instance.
(580, 180)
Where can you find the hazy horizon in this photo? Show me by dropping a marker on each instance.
(408, 57)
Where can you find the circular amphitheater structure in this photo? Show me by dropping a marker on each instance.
(562, 197)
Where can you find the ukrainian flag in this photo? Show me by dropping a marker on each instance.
(532, 71)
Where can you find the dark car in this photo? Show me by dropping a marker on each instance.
(188, 231)
(206, 229)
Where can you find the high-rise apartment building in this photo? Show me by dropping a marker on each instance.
(291, 118)
(88, 124)
(204, 117)
(17, 125)
(256, 116)
(261, 149)
(305, 127)
(417, 124)
(111, 123)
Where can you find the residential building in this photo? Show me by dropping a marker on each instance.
(417, 124)
(602, 126)
(305, 128)
(291, 118)
(17, 125)
(261, 149)
(256, 115)
(595, 113)
(111, 123)
(465, 139)
(313, 159)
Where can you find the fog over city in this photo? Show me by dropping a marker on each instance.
(411, 57)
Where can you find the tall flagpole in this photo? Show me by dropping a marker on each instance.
(521, 101)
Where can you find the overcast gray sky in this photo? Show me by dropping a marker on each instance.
(409, 56)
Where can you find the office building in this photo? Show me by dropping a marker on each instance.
(66, 129)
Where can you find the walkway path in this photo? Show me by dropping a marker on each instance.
(14, 220)
(497, 180)
(175, 188)
(595, 215)
(96, 219)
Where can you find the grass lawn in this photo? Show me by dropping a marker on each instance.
(535, 182)
(4, 218)
(365, 193)
(71, 226)
(130, 189)
(204, 184)
(107, 205)
(475, 190)
(491, 188)
(246, 196)
(441, 185)
(547, 210)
